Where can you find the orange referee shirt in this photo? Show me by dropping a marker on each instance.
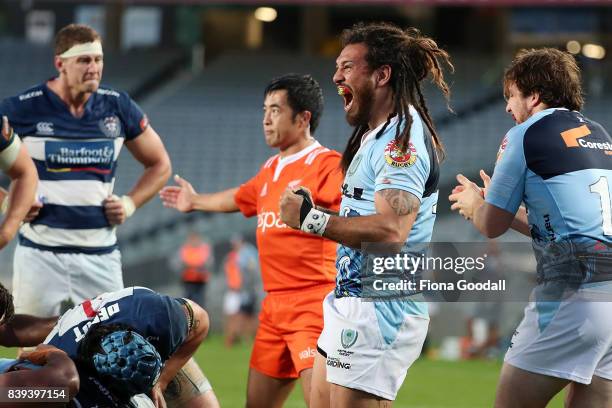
(291, 259)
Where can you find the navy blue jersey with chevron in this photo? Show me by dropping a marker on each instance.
(559, 164)
(158, 318)
(76, 159)
(379, 164)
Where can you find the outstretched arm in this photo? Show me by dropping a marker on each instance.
(184, 198)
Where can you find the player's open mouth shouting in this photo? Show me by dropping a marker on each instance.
(346, 94)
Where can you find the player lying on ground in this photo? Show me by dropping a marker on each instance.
(174, 326)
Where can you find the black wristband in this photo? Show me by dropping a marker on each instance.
(307, 204)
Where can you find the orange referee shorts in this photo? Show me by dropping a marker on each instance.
(289, 326)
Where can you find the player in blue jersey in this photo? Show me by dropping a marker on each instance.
(14, 162)
(74, 129)
(389, 196)
(559, 164)
(174, 326)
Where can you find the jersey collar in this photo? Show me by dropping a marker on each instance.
(284, 161)
(371, 134)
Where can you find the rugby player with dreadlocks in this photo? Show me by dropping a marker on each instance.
(391, 169)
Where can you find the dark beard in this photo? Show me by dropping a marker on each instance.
(365, 97)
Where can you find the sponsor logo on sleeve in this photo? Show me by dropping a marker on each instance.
(501, 149)
(144, 123)
(396, 157)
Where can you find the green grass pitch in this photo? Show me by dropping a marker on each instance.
(429, 384)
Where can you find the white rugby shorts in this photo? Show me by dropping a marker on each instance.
(369, 346)
(570, 339)
(43, 280)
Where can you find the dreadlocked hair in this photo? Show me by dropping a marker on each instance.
(7, 309)
(412, 58)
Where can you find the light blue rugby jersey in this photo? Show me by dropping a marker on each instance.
(559, 164)
(76, 159)
(379, 165)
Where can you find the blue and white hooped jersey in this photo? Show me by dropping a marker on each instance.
(378, 165)
(559, 164)
(76, 159)
(158, 318)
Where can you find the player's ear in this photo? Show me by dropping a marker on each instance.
(59, 63)
(305, 117)
(534, 100)
(383, 75)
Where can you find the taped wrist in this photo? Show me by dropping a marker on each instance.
(4, 204)
(312, 221)
(9, 155)
(128, 205)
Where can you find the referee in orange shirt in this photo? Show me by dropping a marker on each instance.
(298, 269)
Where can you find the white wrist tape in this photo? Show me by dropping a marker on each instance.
(9, 155)
(128, 205)
(4, 204)
(315, 222)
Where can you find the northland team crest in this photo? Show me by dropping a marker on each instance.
(396, 157)
(348, 337)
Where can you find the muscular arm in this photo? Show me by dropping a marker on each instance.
(149, 150)
(26, 330)
(520, 222)
(22, 193)
(58, 371)
(327, 211)
(188, 348)
(396, 211)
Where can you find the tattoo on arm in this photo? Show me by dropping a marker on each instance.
(402, 202)
(196, 324)
(326, 210)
